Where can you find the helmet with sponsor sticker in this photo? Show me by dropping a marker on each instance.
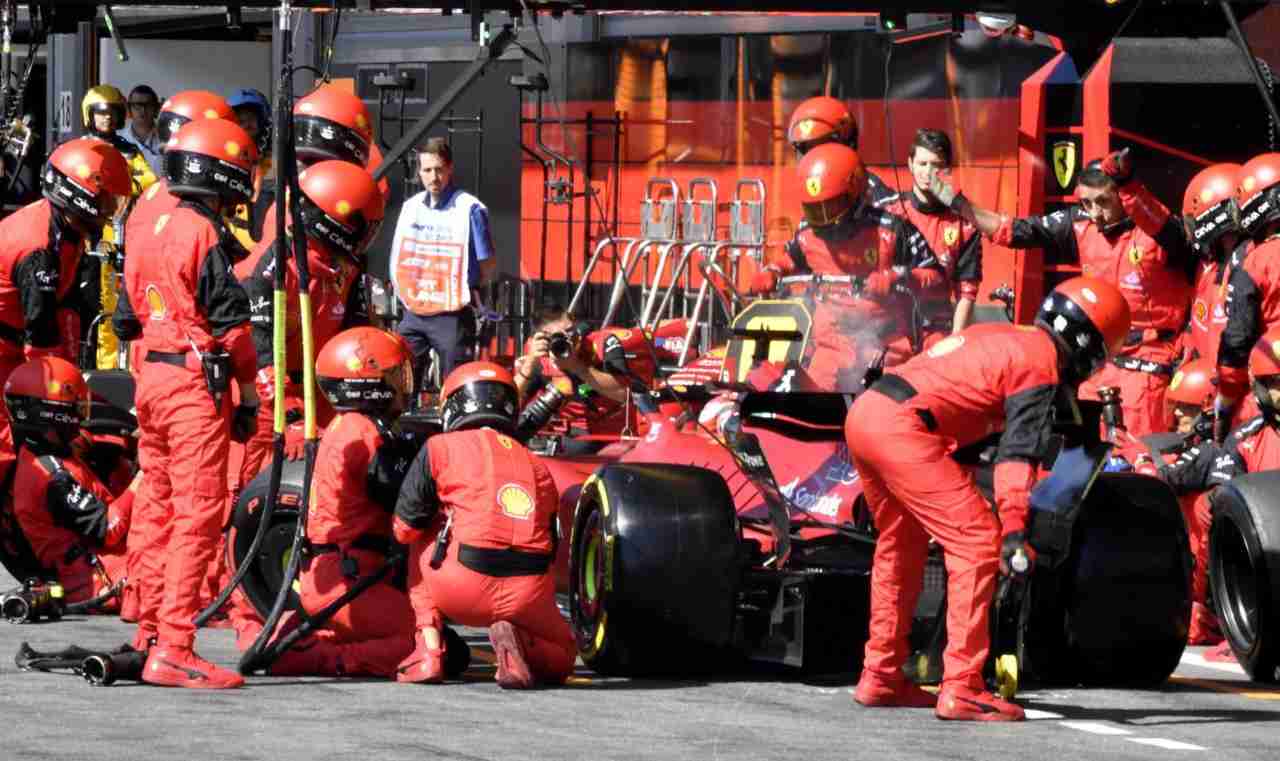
(831, 180)
(187, 106)
(479, 394)
(1207, 205)
(47, 393)
(1194, 383)
(821, 120)
(366, 370)
(211, 157)
(342, 208)
(87, 178)
(1258, 193)
(1090, 319)
(330, 122)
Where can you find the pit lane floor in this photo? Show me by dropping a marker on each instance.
(1205, 711)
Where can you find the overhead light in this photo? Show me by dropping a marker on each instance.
(996, 24)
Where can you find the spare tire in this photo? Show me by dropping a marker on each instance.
(267, 566)
(1244, 570)
(1116, 612)
(655, 566)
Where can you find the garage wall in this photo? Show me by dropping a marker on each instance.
(170, 66)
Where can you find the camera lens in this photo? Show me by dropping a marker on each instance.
(560, 345)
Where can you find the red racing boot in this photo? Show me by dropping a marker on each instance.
(961, 703)
(175, 666)
(425, 665)
(509, 654)
(875, 692)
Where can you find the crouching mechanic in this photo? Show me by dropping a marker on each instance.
(900, 434)
(341, 212)
(194, 330)
(479, 512)
(74, 525)
(366, 375)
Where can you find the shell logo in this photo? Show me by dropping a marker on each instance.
(211, 113)
(1135, 256)
(83, 171)
(813, 185)
(344, 208)
(951, 235)
(354, 363)
(515, 502)
(54, 388)
(1249, 183)
(1177, 381)
(156, 303)
(945, 346)
(1206, 195)
(232, 148)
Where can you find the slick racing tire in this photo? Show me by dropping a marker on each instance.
(1116, 612)
(1244, 570)
(654, 569)
(267, 567)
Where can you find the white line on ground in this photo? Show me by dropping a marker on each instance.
(1095, 727)
(1161, 742)
(1195, 659)
(1037, 715)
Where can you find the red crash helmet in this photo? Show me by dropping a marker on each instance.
(1258, 193)
(332, 123)
(1090, 318)
(211, 157)
(365, 370)
(186, 106)
(47, 392)
(479, 394)
(86, 178)
(1195, 383)
(1207, 205)
(821, 120)
(831, 180)
(341, 207)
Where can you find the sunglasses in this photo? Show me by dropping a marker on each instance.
(143, 104)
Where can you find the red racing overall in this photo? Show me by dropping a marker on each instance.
(1148, 258)
(180, 290)
(1253, 306)
(501, 503)
(986, 379)
(73, 523)
(350, 531)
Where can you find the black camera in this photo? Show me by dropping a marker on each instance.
(562, 344)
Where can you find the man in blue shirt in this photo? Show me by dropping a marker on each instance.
(441, 251)
(144, 107)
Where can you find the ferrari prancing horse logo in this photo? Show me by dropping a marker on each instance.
(1064, 162)
(813, 185)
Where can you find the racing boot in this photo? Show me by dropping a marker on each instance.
(876, 692)
(425, 665)
(509, 655)
(129, 604)
(1204, 626)
(960, 702)
(178, 666)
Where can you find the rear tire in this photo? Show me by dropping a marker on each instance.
(1244, 570)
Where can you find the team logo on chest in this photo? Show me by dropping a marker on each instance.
(1135, 256)
(515, 502)
(871, 257)
(950, 235)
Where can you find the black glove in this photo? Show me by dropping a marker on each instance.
(1221, 420)
(217, 373)
(244, 422)
(1017, 557)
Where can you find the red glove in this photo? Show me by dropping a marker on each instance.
(764, 281)
(926, 278)
(1013, 482)
(878, 284)
(1118, 165)
(295, 440)
(265, 384)
(1233, 383)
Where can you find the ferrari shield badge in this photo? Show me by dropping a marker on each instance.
(813, 185)
(950, 235)
(1064, 162)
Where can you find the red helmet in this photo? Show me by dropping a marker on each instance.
(1258, 193)
(1207, 205)
(478, 394)
(330, 122)
(831, 180)
(190, 105)
(86, 178)
(47, 392)
(821, 120)
(341, 207)
(1090, 318)
(366, 370)
(1196, 382)
(211, 157)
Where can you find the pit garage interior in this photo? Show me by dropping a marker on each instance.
(606, 121)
